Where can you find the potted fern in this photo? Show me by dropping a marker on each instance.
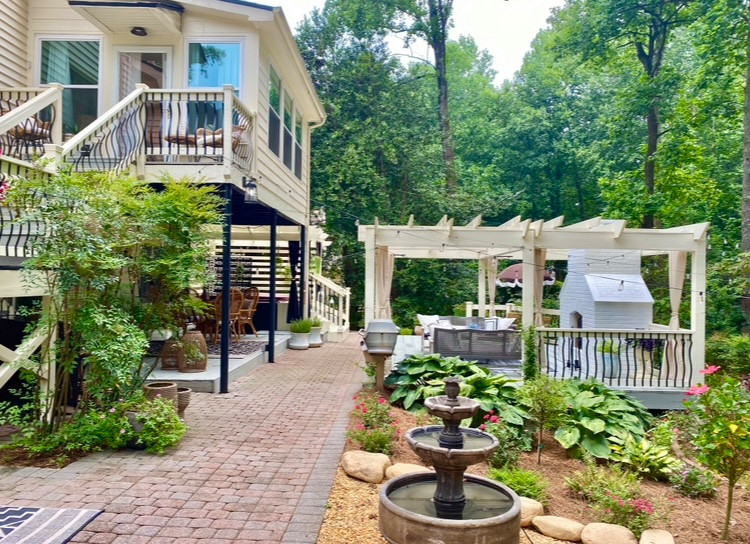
(300, 329)
(316, 340)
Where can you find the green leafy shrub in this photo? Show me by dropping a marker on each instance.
(300, 326)
(723, 437)
(513, 440)
(421, 376)
(636, 513)
(730, 352)
(530, 364)
(595, 481)
(544, 400)
(377, 430)
(526, 483)
(646, 458)
(695, 482)
(161, 427)
(598, 417)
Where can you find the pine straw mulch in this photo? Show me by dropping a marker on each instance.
(352, 514)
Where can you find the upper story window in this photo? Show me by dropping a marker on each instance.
(75, 65)
(214, 64)
(284, 140)
(274, 113)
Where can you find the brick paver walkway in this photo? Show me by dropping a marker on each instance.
(256, 465)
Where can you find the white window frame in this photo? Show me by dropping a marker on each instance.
(71, 38)
(284, 91)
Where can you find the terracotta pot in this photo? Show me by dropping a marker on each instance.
(183, 400)
(194, 343)
(165, 390)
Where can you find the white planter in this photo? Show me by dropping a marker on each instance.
(316, 339)
(299, 340)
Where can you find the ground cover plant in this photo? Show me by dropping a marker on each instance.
(377, 428)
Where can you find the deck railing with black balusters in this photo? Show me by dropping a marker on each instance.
(635, 358)
(29, 119)
(17, 237)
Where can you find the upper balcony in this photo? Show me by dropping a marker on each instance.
(148, 132)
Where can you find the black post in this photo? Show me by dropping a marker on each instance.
(272, 293)
(226, 264)
(303, 270)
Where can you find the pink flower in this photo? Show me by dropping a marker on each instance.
(482, 427)
(364, 409)
(122, 431)
(360, 427)
(713, 369)
(354, 397)
(381, 400)
(697, 390)
(492, 412)
(111, 410)
(494, 419)
(486, 417)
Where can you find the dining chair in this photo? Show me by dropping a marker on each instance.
(249, 306)
(235, 305)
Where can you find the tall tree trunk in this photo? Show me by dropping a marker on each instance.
(649, 168)
(439, 14)
(746, 177)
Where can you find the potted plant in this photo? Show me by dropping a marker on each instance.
(195, 352)
(316, 340)
(300, 329)
(154, 424)
(610, 351)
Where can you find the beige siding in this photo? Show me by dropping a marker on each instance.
(13, 39)
(56, 17)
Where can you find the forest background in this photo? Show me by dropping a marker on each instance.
(633, 110)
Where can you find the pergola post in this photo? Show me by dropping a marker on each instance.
(698, 307)
(481, 288)
(370, 300)
(529, 269)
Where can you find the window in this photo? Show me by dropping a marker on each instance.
(285, 126)
(75, 65)
(214, 64)
(297, 145)
(287, 131)
(274, 113)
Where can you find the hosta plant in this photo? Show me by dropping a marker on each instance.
(646, 458)
(421, 376)
(599, 417)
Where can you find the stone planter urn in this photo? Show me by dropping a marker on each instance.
(299, 340)
(183, 400)
(165, 390)
(316, 340)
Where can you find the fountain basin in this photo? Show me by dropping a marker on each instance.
(492, 513)
(451, 410)
(477, 447)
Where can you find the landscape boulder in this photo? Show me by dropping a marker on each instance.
(558, 527)
(607, 533)
(656, 536)
(399, 469)
(369, 467)
(529, 510)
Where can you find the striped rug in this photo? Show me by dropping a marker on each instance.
(25, 525)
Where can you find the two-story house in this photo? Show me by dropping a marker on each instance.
(210, 89)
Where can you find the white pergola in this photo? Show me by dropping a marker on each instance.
(534, 243)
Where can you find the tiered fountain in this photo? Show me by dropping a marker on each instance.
(447, 506)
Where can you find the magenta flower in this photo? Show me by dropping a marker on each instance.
(713, 369)
(482, 427)
(494, 419)
(381, 400)
(697, 390)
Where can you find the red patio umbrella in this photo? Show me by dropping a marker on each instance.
(513, 276)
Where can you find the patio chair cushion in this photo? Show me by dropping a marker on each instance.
(427, 321)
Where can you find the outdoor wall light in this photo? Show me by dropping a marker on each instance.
(251, 190)
(138, 31)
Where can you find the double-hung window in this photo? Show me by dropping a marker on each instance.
(274, 114)
(285, 130)
(75, 65)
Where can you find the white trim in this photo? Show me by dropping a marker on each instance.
(285, 89)
(168, 68)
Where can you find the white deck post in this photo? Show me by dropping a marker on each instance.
(529, 268)
(482, 287)
(698, 307)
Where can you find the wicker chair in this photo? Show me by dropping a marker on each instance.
(235, 306)
(249, 306)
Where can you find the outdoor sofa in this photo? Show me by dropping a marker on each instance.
(472, 338)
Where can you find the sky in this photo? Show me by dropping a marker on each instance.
(504, 29)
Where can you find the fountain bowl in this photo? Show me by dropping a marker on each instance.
(433, 454)
(451, 410)
(401, 526)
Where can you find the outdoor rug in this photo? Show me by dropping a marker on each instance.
(25, 525)
(237, 349)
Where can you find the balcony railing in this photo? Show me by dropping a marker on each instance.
(329, 301)
(639, 359)
(29, 119)
(17, 237)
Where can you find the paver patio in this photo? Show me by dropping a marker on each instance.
(257, 464)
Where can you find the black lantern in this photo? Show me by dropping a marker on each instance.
(251, 190)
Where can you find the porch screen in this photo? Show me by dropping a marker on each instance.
(75, 65)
